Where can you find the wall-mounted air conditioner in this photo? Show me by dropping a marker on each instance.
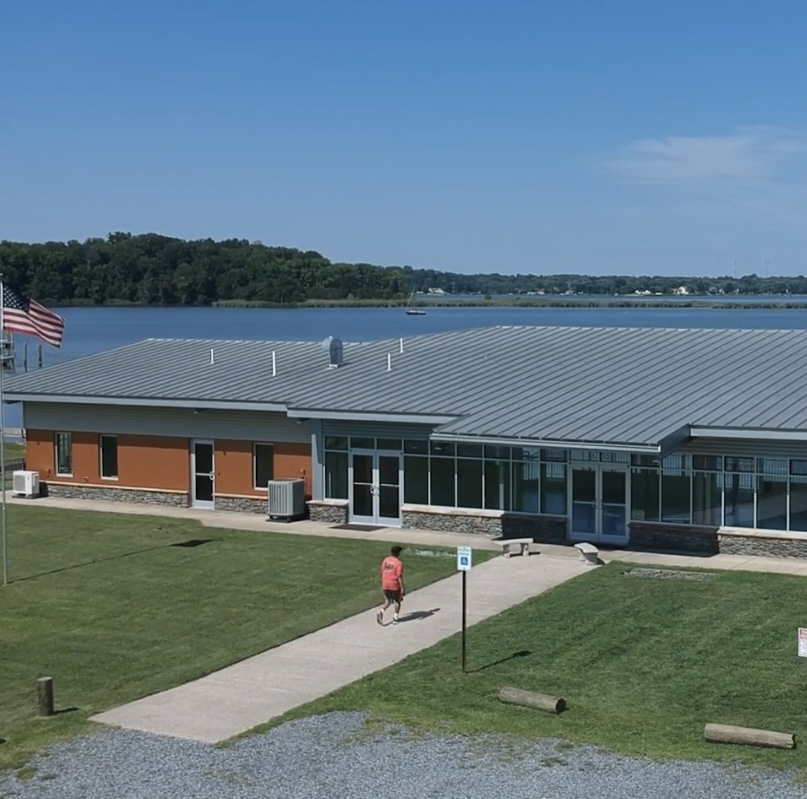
(25, 484)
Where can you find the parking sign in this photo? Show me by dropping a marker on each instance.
(464, 559)
(803, 642)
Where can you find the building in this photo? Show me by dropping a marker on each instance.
(677, 439)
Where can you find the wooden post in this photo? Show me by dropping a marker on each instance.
(729, 734)
(549, 704)
(44, 693)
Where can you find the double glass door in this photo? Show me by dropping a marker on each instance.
(375, 487)
(599, 503)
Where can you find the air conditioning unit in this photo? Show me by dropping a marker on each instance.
(286, 499)
(25, 484)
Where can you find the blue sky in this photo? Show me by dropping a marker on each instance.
(627, 137)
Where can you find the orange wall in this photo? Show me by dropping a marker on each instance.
(162, 462)
(234, 466)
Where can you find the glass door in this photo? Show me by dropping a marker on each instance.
(375, 487)
(202, 474)
(599, 503)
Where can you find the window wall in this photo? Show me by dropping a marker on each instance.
(761, 493)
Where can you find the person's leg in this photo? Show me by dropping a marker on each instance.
(397, 609)
(379, 616)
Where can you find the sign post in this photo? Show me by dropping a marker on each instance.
(802, 642)
(464, 562)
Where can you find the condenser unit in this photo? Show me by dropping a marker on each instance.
(25, 484)
(286, 499)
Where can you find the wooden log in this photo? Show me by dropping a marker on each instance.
(729, 734)
(44, 695)
(515, 696)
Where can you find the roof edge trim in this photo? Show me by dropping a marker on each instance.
(702, 431)
(135, 402)
(607, 446)
(369, 416)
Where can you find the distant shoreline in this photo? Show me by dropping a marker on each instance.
(448, 303)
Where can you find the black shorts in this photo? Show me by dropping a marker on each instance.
(392, 596)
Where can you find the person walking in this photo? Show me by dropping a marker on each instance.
(392, 584)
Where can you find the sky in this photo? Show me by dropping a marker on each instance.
(622, 137)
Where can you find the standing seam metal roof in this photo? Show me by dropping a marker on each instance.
(631, 385)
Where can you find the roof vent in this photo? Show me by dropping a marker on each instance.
(334, 347)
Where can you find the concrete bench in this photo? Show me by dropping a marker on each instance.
(509, 545)
(588, 552)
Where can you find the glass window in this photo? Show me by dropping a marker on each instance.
(738, 498)
(109, 457)
(798, 467)
(615, 457)
(469, 483)
(557, 455)
(526, 454)
(584, 455)
(497, 484)
(675, 493)
(442, 448)
(263, 457)
(526, 498)
(413, 447)
(739, 464)
(336, 475)
(798, 503)
(498, 453)
(707, 463)
(707, 498)
(64, 453)
(335, 442)
(389, 443)
(442, 482)
(649, 461)
(677, 461)
(416, 479)
(645, 495)
(553, 488)
(772, 500)
(362, 443)
(469, 450)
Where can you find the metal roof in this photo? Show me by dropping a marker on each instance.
(633, 386)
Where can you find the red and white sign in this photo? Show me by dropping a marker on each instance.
(803, 642)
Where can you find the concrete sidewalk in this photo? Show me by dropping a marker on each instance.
(254, 691)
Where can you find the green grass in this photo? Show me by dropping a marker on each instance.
(642, 663)
(113, 610)
(13, 451)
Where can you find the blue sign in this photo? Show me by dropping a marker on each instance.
(464, 558)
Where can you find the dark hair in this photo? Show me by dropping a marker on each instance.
(396, 550)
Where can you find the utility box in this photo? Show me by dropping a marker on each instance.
(286, 499)
(25, 484)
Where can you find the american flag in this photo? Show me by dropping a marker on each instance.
(23, 315)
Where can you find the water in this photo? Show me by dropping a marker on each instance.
(90, 330)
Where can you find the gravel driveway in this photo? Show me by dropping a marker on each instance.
(331, 757)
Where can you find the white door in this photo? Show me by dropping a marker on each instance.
(375, 487)
(203, 477)
(599, 503)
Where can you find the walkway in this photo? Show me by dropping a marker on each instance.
(254, 691)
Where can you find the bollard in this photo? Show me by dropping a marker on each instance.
(44, 694)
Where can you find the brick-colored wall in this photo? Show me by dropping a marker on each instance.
(162, 462)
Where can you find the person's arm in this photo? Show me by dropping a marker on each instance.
(401, 582)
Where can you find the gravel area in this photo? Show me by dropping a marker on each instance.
(333, 757)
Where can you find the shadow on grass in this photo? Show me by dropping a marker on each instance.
(63, 710)
(522, 653)
(191, 542)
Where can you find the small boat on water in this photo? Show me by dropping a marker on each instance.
(410, 311)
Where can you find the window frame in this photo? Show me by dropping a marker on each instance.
(271, 446)
(56, 460)
(103, 476)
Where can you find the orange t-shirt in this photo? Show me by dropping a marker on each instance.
(391, 573)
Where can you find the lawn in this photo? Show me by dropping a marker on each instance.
(117, 607)
(643, 664)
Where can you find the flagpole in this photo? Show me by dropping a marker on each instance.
(3, 434)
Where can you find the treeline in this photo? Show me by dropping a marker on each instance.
(150, 269)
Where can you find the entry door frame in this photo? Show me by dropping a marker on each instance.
(597, 535)
(203, 504)
(376, 518)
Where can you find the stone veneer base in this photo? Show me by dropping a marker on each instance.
(112, 494)
(327, 513)
(546, 529)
